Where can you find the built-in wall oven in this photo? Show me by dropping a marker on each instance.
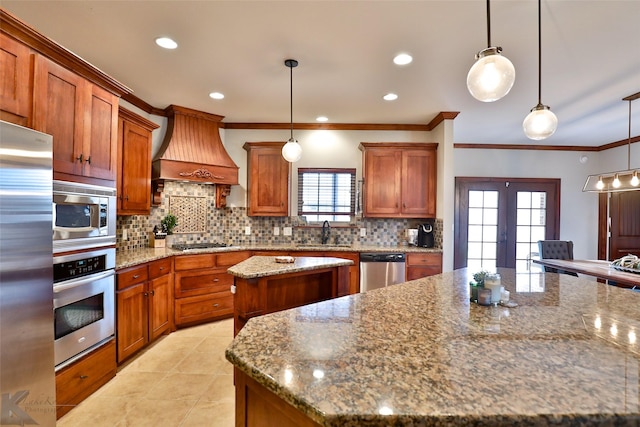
(83, 302)
(84, 216)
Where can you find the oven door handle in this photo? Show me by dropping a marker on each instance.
(70, 284)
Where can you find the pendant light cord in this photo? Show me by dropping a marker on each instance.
(488, 24)
(629, 145)
(291, 97)
(539, 55)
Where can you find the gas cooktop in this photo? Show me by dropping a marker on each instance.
(191, 246)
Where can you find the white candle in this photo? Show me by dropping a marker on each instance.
(492, 281)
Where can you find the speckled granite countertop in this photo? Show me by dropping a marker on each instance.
(128, 258)
(419, 354)
(262, 266)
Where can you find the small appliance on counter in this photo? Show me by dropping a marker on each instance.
(426, 235)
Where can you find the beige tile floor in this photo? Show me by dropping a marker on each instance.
(182, 380)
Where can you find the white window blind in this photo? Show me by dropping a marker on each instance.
(326, 194)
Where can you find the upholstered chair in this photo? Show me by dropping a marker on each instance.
(556, 249)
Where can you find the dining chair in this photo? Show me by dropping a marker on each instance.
(556, 249)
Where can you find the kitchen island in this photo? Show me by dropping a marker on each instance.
(420, 354)
(264, 285)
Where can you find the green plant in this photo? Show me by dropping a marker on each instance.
(479, 277)
(169, 222)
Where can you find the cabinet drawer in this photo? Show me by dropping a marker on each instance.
(414, 273)
(131, 276)
(424, 259)
(190, 262)
(201, 282)
(77, 381)
(204, 307)
(159, 268)
(231, 258)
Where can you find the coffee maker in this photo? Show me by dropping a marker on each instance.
(425, 235)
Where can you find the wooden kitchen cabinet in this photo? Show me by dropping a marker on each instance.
(83, 119)
(15, 81)
(79, 380)
(267, 180)
(144, 305)
(203, 286)
(134, 163)
(399, 180)
(419, 265)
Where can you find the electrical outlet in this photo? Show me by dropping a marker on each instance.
(276, 231)
(287, 231)
(247, 230)
(125, 234)
(363, 232)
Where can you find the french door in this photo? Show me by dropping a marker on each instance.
(498, 221)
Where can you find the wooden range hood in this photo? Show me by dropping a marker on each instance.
(192, 151)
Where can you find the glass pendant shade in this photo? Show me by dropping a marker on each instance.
(492, 76)
(292, 151)
(540, 123)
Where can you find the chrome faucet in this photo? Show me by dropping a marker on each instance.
(326, 231)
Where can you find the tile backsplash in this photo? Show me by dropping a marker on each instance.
(229, 225)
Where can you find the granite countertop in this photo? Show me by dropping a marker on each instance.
(262, 266)
(129, 258)
(420, 353)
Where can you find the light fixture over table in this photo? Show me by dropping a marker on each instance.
(625, 180)
(540, 123)
(291, 151)
(492, 75)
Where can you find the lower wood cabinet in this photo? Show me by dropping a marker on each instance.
(144, 305)
(354, 270)
(203, 286)
(77, 381)
(421, 265)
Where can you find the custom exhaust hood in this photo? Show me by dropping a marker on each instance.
(192, 151)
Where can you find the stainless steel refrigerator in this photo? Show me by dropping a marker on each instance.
(27, 376)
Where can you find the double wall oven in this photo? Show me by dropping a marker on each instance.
(84, 237)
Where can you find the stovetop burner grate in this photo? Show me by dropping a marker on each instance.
(187, 246)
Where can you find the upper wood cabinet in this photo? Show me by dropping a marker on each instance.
(399, 180)
(134, 163)
(267, 179)
(15, 81)
(83, 119)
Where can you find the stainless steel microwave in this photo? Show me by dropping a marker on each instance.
(84, 216)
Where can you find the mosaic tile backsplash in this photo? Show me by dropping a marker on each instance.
(228, 225)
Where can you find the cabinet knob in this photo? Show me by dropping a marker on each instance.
(135, 276)
(88, 160)
(84, 377)
(153, 293)
(79, 158)
(146, 294)
(161, 268)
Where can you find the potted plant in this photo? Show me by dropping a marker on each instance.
(478, 282)
(169, 222)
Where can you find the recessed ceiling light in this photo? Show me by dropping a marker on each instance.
(321, 119)
(216, 95)
(390, 97)
(402, 59)
(166, 43)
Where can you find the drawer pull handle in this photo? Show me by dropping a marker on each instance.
(135, 276)
(216, 280)
(84, 377)
(161, 268)
(216, 305)
(88, 160)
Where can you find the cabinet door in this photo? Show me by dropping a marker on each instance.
(418, 183)
(160, 306)
(268, 182)
(15, 81)
(134, 177)
(100, 143)
(132, 320)
(58, 110)
(382, 183)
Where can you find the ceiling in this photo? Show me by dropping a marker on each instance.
(590, 59)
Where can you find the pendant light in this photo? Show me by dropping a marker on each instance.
(540, 123)
(625, 180)
(291, 151)
(492, 75)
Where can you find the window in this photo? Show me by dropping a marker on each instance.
(326, 194)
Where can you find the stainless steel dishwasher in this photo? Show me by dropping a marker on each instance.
(378, 270)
